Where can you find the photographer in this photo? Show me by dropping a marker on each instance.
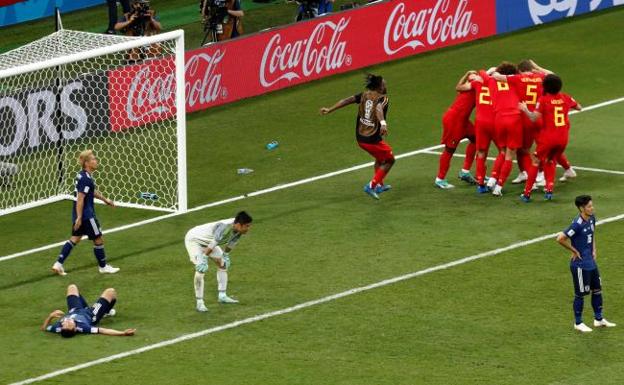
(112, 13)
(221, 19)
(307, 9)
(140, 21)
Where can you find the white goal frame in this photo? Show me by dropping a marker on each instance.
(178, 37)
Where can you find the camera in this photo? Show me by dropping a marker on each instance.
(214, 14)
(308, 9)
(142, 16)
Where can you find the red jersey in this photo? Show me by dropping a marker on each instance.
(463, 105)
(529, 87)
(554, 110)
(504, 95)
(483, 102)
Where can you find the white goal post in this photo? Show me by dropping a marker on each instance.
(123, 97)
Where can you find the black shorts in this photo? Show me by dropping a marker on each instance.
(99, 309)
(90, 227)
(585, 281)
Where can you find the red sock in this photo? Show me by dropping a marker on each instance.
(481, 170)
(378, 178)
(549, 174)
(531, 177)
(562, 159)
(505, 171)
(524, 160)
(471, 150)
(498, 164)
(445, 163)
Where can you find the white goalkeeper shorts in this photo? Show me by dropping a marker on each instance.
(194, 248)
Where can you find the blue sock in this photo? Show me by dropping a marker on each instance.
(98, 250)
(578, 309)
(597, 304)
(67, 248)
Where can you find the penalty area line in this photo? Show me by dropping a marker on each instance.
(270, 189)
(304, 305)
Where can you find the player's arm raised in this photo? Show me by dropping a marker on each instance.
(464, 80)
(101, 197)
(51, 316)
(119, 333)
(541, 69)
(339, 104)
(565, 242)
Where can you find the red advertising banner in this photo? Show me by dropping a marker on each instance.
(4, 3)
(298, 53)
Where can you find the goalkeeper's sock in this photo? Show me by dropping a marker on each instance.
(199, 286)
(65, 251)
(98, 250)
(222, 280)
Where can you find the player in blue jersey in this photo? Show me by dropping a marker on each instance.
(82, 318)
(83, 216)
(579, 239)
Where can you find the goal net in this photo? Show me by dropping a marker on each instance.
(122, 97)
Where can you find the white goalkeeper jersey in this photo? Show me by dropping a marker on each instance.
(215, 234)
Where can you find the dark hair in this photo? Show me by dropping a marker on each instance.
(582, 200)
(243, 218)
(552, 84)
(373, 82)
(507, 68)
(68, 333)
(525, 66)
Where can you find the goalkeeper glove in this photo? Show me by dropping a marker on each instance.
(226, 261)
(202, 263)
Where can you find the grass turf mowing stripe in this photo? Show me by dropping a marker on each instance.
(268, 190)
(300, 306)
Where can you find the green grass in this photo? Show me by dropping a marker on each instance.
(505, 319)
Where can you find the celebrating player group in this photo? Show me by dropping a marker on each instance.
(516, 106)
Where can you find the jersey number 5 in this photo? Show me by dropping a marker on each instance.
(559, 117)
(531, 92)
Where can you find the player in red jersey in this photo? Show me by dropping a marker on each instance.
(507, 121)
(456, 125)
(553, 108)
(370, 128)
(484, 126)
(531, 78)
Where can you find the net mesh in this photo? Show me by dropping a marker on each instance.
(121, 105)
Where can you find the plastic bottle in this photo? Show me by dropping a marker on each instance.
(148, 195)
(273, 145)
(244, 171)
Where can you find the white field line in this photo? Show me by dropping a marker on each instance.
(260, 317)
(615, 172)
(224, 201)
(264, 191)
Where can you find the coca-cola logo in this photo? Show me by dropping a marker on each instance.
(150, 93)
(204, 88)
(322, 51)
(428, 26)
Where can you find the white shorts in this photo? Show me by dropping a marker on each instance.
(194, 248)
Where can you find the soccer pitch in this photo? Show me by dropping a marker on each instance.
(503, 317)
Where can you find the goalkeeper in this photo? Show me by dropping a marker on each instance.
(213, 241)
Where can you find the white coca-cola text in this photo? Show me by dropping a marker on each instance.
(428, 26)
(321, 52)
(207, 88)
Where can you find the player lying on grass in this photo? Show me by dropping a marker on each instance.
(579, 239)
(83, 216)
(82, 318)
(456, 125)
(370, 128)
(214, 241)
(552, 108)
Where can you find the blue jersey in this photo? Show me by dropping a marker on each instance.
(83, 319)
(85, 184)
(581, 234)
